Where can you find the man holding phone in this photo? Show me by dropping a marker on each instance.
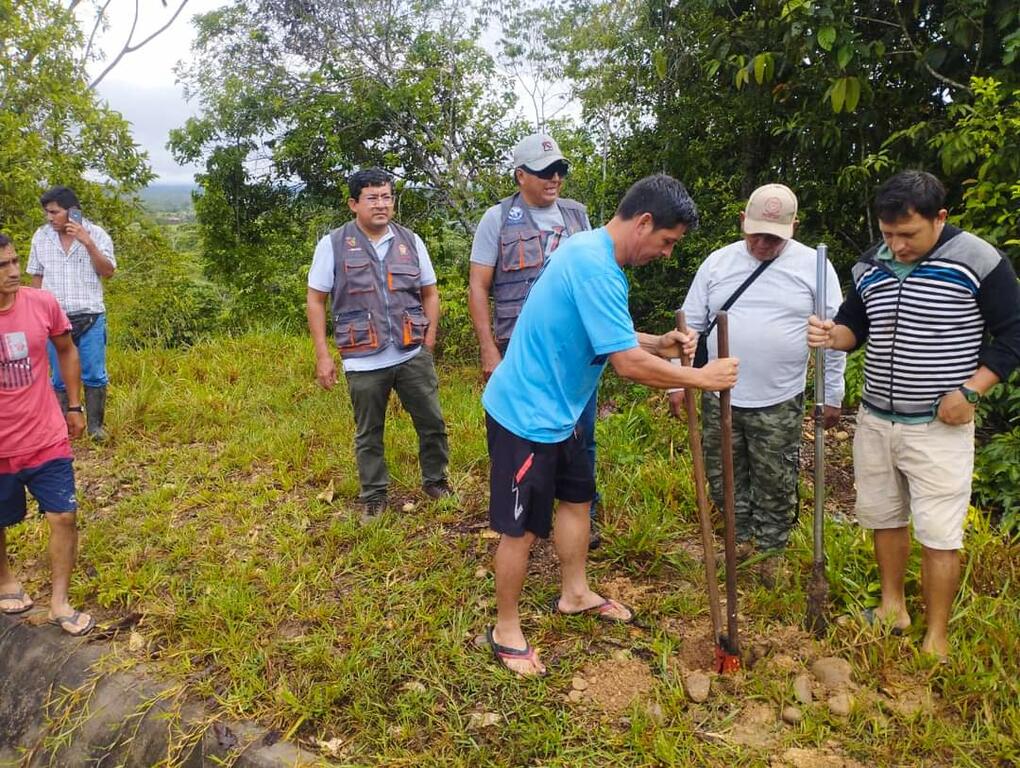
(69, 257)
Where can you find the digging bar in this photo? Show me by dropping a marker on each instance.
(816, 620)
(731, 641)
(704, 515)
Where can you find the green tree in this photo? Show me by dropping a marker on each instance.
(53, 128)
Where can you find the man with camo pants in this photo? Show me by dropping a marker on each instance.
(766, 329)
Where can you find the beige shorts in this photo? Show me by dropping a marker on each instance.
(918, 471)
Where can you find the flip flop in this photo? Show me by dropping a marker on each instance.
(600, 611)
(20, 595)
(868, 614)
(69, 624)
(503, 654)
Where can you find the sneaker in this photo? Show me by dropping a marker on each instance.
(372, 509)
(440, 490)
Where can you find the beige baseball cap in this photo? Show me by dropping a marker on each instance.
(537, 152)
(771, 210)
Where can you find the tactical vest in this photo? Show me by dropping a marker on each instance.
(376, 303)
(521, 257)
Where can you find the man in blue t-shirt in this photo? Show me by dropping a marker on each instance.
(575, 320)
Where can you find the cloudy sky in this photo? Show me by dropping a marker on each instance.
(142, 87)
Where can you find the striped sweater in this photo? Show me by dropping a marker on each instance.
(926, 333)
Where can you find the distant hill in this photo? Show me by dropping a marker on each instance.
(167, 197)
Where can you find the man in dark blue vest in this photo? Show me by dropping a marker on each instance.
(514, 240)
(385, 310)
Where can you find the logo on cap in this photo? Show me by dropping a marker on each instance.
(547, 146)
(773, 208)
(515, 214)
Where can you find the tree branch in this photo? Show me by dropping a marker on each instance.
(131, 48)
(920, 56)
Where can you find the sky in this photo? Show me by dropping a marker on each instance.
(142, 87)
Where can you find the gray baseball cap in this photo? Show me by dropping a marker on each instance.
(537, 151)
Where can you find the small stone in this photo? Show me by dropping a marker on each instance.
(579, 684)
(621, 655)
(831, 671)
(481, 641)
(408, 506)
(698, 685)
(479, 720)
(489, 534)
(136, 642)
(792, 715)
(414, 686)
(575, 696)
(654, 710)
(784, 663)
(842, 435)
(481, 572)
(839, 705)
(802, 688)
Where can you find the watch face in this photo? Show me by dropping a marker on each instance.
(970, 395)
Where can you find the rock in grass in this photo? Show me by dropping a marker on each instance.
(408, 506)
(413, 686)
(479, 720)
(802, 688)
(839, 705)
(831, 671)
(575, 696)
(698, 685)
(792, 715)
(579, 684)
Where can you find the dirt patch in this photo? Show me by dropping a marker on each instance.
(840, 494)
(697, 644)
(755, 726)
(796, 757)
(611, 686)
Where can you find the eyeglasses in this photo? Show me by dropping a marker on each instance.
(375, 199)
(559, 168)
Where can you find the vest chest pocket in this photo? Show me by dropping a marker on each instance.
(354, 332)
(415, 326)
(358, 275)
(403, 277)
(521, 249)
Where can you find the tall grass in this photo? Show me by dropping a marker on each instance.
(209, 513)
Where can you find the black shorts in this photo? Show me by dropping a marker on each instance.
(526, 477)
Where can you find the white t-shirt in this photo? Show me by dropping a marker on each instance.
(768, 323)
(320, 278)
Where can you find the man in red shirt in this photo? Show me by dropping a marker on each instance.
(35, 448)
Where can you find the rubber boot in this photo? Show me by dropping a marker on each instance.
(95, 410)
(62, 399)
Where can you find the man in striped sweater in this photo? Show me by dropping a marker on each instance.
(923, 301)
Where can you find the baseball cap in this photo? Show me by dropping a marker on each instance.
(771, 210)
(537, 151)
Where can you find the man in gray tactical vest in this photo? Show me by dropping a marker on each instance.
(513, 241)
(385, 311)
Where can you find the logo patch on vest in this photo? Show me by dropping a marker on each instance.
(515, 214)
(351, 242)
(402, 250)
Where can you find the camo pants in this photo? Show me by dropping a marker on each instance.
(766, 453)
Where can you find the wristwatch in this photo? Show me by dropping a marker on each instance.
(75, 409)
(970, 395)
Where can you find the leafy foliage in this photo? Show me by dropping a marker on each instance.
(53, 129)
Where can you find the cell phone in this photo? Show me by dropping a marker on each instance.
(74, 214)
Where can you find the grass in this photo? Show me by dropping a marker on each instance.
(222, 511)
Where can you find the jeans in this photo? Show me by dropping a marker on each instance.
(92, 352)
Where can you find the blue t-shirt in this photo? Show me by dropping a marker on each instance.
(576, 315)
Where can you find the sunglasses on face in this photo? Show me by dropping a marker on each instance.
(560, 169)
